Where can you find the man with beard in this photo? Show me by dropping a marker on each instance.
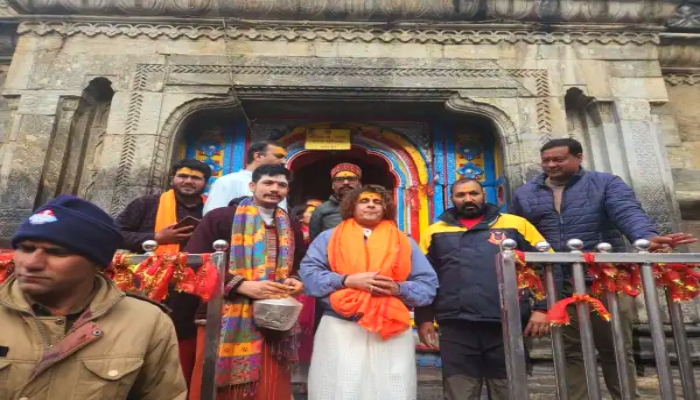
(237, 184)
(462, 248)
(266, 248)
(156, 217)
(568, 202)
(345, 177)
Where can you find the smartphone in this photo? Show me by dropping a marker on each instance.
(187, 221)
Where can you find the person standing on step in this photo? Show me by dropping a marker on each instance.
(237, 184)
(345, 177)
(68, 332)
(169, 219)
(366, 273)
(266, 247)
(463, 247)
(568, 202)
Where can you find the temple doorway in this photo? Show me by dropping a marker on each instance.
(312, 178)
(416, 150)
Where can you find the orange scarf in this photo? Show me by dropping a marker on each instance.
(387, 251)
(166, 216)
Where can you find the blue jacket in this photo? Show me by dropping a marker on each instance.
(595, 207)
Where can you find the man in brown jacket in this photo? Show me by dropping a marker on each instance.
(68, 333)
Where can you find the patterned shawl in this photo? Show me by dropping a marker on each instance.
(241, 345)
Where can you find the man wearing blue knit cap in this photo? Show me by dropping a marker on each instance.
(67, 332)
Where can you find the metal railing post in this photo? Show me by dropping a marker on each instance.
(584, 321)
(618, 336)
(658, 338)
(680, 339)
(212, 327)
(510, 320)
(558, 355)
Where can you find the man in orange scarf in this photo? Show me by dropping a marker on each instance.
(366, 273)
(155, 217)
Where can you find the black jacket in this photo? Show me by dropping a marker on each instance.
(465, 262)
(325, 217)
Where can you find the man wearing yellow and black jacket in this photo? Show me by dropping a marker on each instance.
(462, 247)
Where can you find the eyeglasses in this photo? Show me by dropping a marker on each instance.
(341, 179)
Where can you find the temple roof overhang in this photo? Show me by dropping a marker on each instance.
(639, 12)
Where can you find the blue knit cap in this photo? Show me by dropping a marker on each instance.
(77, 225)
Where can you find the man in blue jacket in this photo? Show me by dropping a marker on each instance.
(567, 202)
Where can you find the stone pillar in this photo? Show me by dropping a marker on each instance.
(650, 177)
(23, 166)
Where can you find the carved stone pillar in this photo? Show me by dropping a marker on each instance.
(30, 136)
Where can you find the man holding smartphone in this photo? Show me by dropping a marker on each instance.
(169, 219)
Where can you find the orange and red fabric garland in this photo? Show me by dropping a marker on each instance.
(7, 265)
(681, 281)
(152, 277)
(527, 278)
(620, 278)
(557, 315)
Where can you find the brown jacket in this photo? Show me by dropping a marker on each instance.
(121, 347)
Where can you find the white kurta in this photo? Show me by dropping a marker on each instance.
(229, 187)
(351, 363)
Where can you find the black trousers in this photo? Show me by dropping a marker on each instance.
(473, 353)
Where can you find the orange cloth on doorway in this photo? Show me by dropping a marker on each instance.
(275, 379)
(166, 216)
(388, 252)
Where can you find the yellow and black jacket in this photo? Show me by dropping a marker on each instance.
(465, 262)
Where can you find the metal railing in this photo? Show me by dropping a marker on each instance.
(214, 306)
(576, 260)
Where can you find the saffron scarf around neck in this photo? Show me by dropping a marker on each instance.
(241, 343)
(386, 251)
(166, 215)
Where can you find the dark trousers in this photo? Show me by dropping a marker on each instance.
(602, 336)
(473, 353)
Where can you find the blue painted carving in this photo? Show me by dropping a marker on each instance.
(471, 170)
(470, 151)
(210, 149)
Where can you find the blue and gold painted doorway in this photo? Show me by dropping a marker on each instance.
(421, 176)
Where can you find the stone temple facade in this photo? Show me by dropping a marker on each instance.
(100, 96)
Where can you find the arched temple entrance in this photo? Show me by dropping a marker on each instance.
(311, 183)
(418, 158)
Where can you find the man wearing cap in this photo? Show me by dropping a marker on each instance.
(169, 219)
(345, 177)
(67, 331)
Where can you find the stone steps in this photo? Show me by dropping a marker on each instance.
(542, 386)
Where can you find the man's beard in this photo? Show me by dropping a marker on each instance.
(478, 211)
(343, 191)
(192, 192)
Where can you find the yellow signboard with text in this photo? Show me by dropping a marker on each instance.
(328, 139)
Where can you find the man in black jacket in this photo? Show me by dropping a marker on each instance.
(346, 177)
(462, 247)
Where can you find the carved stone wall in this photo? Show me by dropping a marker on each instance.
(682, 139)
(163, 73)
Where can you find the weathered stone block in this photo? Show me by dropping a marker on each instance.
(39, 102)
(629, 88)
(684, 101)
(634, 69)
